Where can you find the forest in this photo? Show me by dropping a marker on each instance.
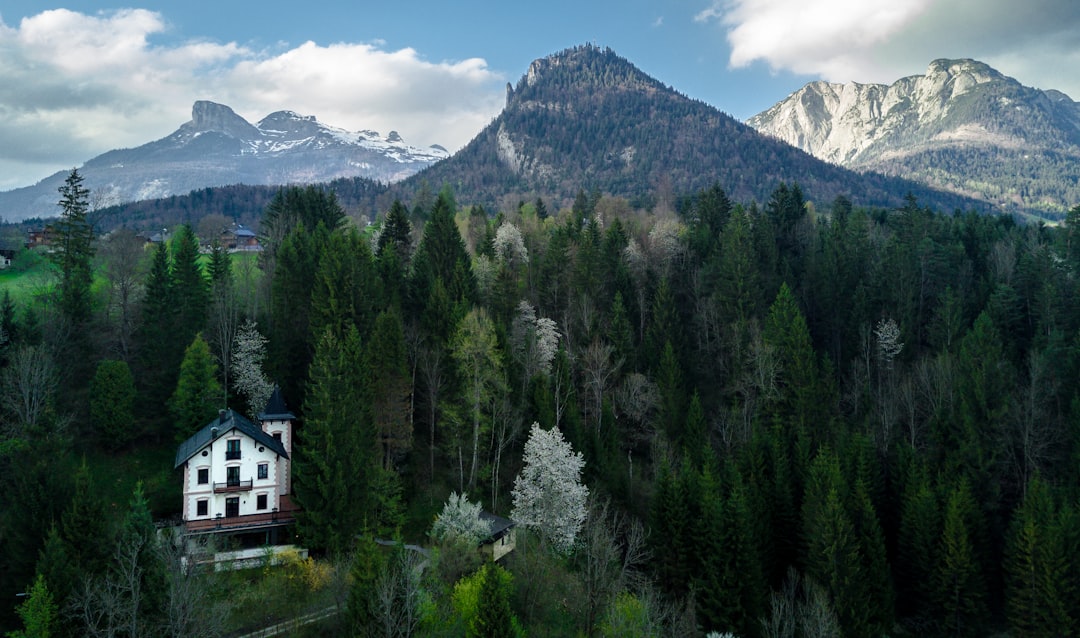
(776, 419)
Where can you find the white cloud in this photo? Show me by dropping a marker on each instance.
(74, 85)
(882, 40)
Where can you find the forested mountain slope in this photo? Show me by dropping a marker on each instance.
(854, 421)
(587, 118)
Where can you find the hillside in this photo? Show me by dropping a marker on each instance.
(587, 118)
(962, 126)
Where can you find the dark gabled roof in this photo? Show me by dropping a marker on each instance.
(275, 409)
(499, 527)
(219, 427)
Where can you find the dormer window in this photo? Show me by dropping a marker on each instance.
(232, 449)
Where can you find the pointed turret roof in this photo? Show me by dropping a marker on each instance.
(275, 409)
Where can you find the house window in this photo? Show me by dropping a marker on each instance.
(232, 476)
(260, 502)
(202, 507)
(264, 470)
(232, 507)
(277, 436)
(232, 449)
(204, 475)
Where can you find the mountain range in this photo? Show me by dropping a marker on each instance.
(961, 126)
(962, 136)
(217, 148)
(586, 118)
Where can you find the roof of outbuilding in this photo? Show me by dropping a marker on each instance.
(275, 409)
(499, 526)
(226, 422)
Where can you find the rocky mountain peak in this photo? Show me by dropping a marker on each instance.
(940, 127)
(209, 116)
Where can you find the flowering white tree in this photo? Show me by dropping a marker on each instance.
(534, 340)
(888, 341)
(510, 245)
(548, 493)
(248, 377)
(460, 520)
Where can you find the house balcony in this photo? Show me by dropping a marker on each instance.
(285, 514)
(233, 486)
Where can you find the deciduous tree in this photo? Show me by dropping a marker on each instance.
(548, 492)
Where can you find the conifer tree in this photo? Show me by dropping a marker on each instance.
(198, 394)
(85, 527)
(191, 290)
(785, 330)
(346, 290)
(290, 338)
(73, 250)
(494, 619)
(39, 613)
(920, 529)
(1041, 586)
(56, 566)
(388, 388)
(334, 466)
(160, 351)
(959, 584)
(219, 267)
(112, 404)
(396, 231)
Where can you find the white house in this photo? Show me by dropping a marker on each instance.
(237, 475)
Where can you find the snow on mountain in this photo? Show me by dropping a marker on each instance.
(218, 147)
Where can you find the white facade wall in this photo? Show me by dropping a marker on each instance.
(212, 458)
(284, 428)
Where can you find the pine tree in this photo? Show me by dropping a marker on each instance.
(335, 481)
(112, 404)
(1040, 585)
(56, 567)
(396, 231)
(39, 614)
(198, 393)
(160, 351)
(494, 619)
(191, 290)
(958, 581)
(86, 528)
(73, 250)
(290, 338)
(388, 388)
(219, 267)
(696, 435)
(367, 564)
(786, 331)
(346, 290)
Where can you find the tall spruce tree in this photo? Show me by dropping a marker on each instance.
(389, 388)
(191, 290)
(198, 394)
(335, 453)
(959, 584)
(160, 351)
(72, 251)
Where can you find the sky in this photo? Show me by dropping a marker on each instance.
(84, 77)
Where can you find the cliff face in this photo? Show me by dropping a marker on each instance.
(947, 127)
